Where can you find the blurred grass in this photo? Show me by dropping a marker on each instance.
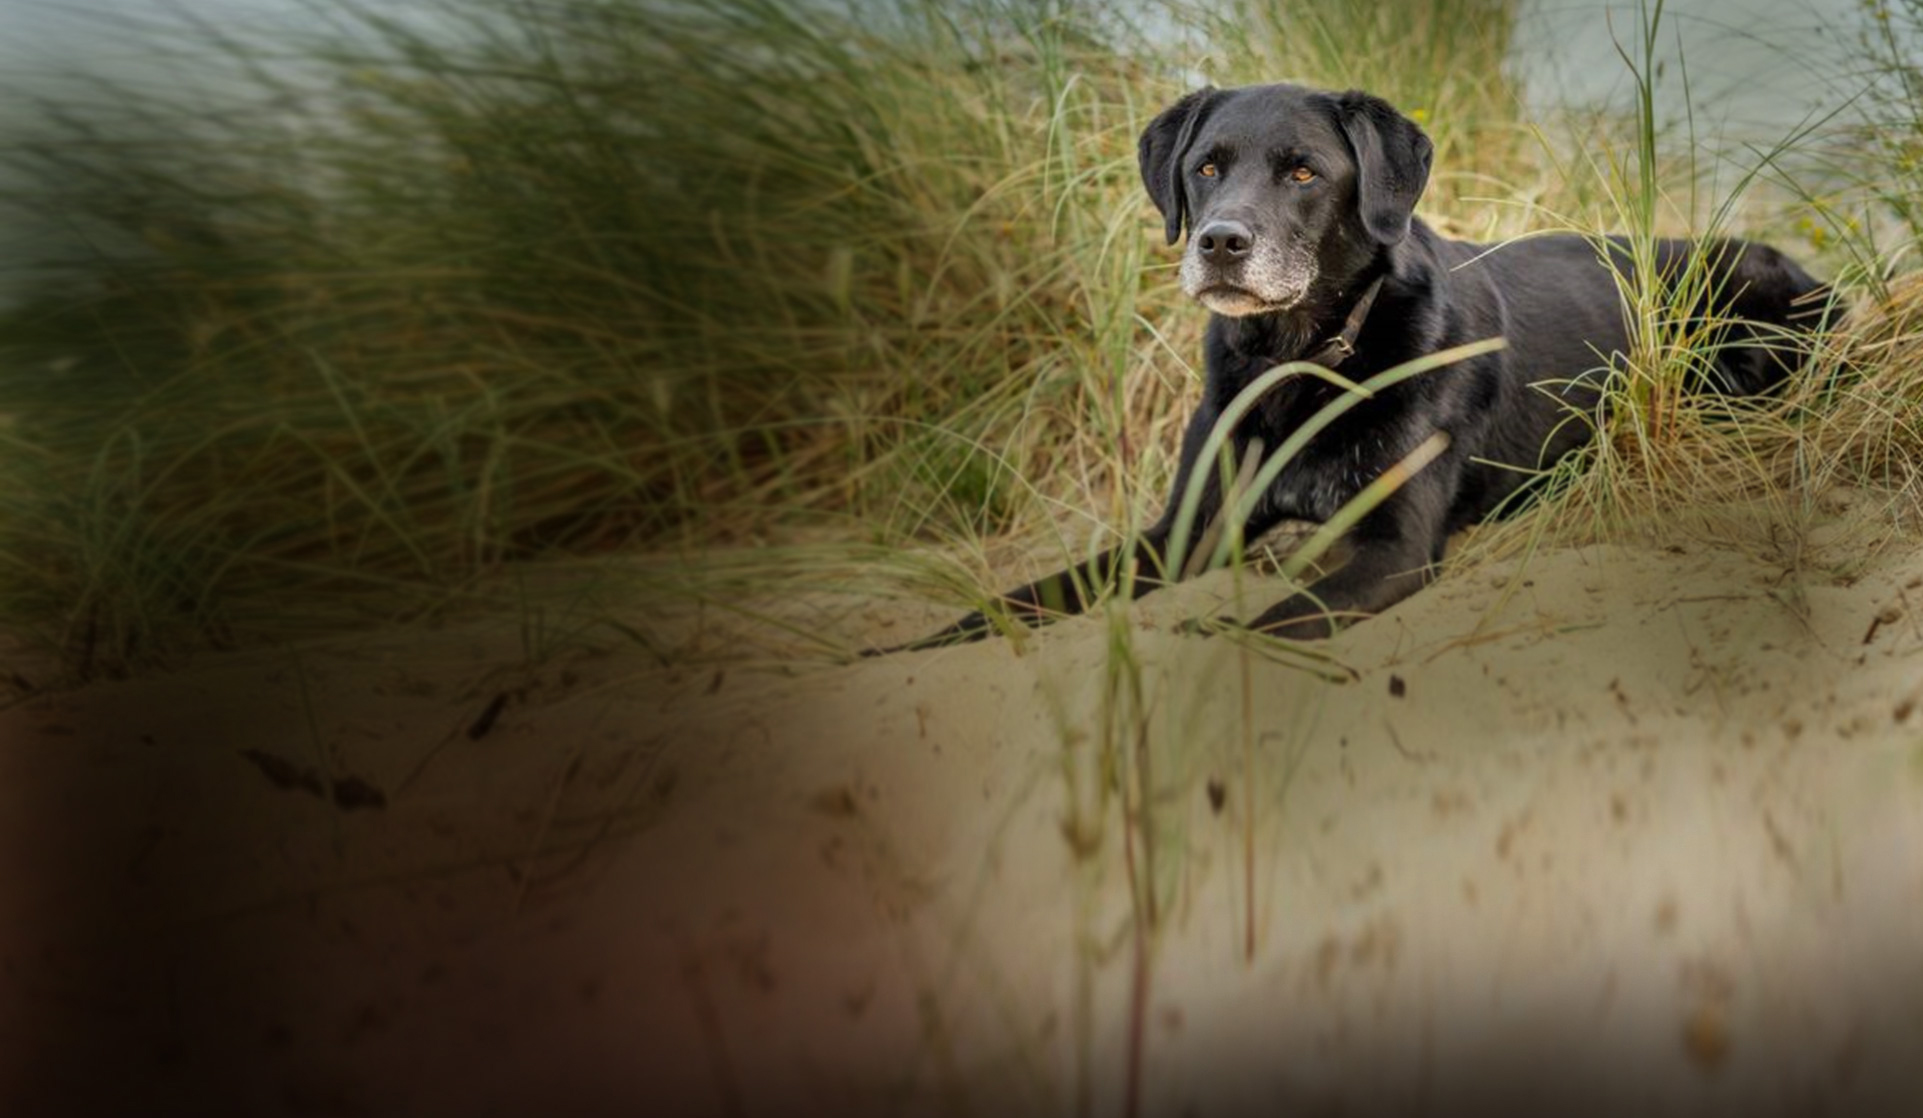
(413, 299)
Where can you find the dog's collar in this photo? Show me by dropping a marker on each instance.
(1337, 349)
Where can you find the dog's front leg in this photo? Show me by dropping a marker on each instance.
(1395, 549)
(1059, 595)
(1375, 579)
(1140, 567)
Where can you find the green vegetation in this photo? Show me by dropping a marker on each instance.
(421, 299)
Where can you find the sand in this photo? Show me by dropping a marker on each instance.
(1626, 829)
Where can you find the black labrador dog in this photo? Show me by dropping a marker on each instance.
(1304, 245)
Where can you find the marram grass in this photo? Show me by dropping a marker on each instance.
(417, 300)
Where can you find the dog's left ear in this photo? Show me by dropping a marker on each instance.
(1392, 160)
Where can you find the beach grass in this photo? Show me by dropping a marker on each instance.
(401, 305)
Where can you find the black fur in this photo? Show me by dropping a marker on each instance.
(1229, 164)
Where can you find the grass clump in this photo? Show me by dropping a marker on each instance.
(572, 277)
(1670, 454)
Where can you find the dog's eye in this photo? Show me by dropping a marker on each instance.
(1207, 170)
(1301, 174)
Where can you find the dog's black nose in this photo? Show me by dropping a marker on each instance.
(1222, 242)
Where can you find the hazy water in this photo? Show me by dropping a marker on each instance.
(1765, 61)
(1763, 65)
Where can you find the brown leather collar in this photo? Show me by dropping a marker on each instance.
(1337, 349)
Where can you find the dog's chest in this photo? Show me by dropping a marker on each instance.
(1339, 460)
(1335, 464)
(1324, 476)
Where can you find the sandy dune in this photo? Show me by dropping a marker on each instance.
(1629, 830)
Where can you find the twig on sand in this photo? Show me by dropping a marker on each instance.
(525, 869)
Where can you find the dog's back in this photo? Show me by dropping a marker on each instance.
(1565, 313)
(1556, 323)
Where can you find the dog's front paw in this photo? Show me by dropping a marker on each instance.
(1296, 622)
(971, 628)
(1207, 626)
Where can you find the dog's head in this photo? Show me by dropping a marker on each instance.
(1281, 187)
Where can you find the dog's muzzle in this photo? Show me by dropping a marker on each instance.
(1232, 270)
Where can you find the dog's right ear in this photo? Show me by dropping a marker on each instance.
(1163, 143)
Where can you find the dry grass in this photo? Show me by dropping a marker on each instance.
(603, 278)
